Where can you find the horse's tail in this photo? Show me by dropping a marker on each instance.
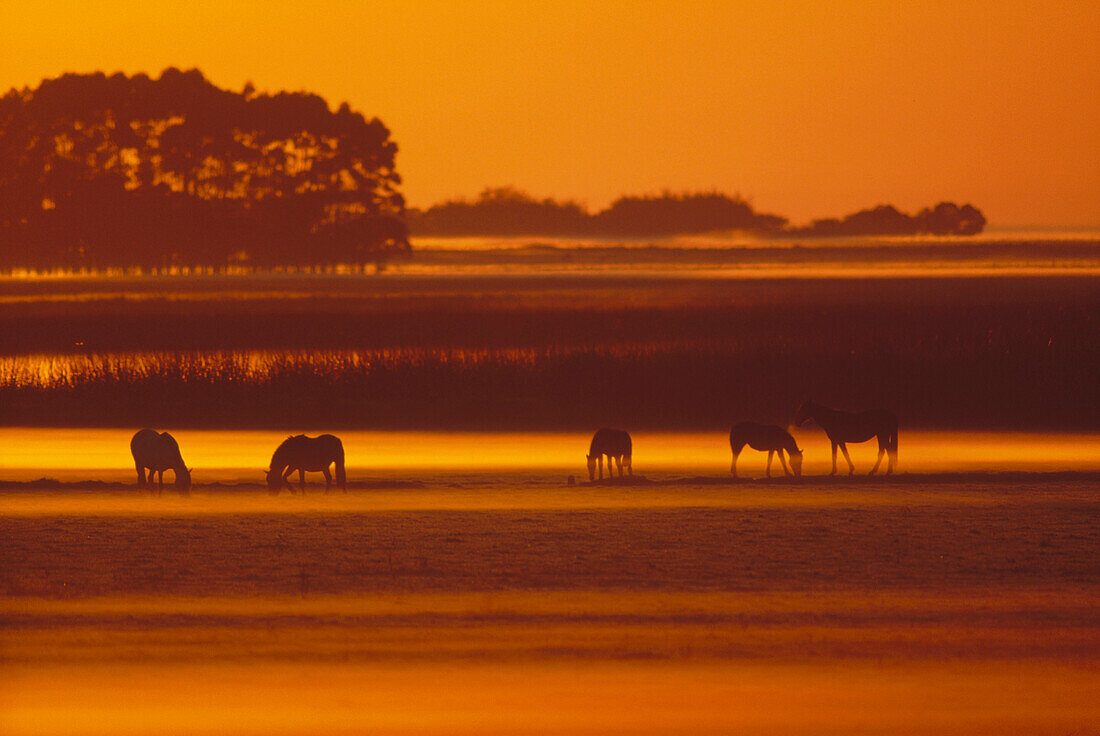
(341, 475)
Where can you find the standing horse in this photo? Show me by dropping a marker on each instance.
(312, 454)
(765, 437)
(846, 426)
(158, 452)
(616, 445)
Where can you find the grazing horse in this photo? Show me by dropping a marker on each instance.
(860, 426)
(614, 443)
(158, 452)
(301, 453)
(765, 437)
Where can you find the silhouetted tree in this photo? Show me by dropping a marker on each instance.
(508, 211)
(130, 171)
(501, 211)
(946, 218)
(671, 214)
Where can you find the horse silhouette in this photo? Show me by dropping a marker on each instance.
(312, 454)
(845, 426)
(765, 437)
(158, 452)
(616, 445)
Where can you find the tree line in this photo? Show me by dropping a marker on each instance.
(509, 211)
(122, 171)
(504, 211)
(105, 171)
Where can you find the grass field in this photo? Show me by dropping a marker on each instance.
(493, 602)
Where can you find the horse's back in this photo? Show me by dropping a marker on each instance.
(760, 436)
(613, 442)
(332, 443)
(312, 453)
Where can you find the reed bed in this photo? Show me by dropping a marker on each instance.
(556, 353)
(689, 383)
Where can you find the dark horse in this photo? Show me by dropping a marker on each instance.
(614, 443)
(860, 426)
(158, 452)
(765, 437)
(301, 453)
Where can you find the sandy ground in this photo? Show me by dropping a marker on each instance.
(497, 602)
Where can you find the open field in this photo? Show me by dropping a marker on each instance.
(497, 602)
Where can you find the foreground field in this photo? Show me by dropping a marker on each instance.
(497, 602)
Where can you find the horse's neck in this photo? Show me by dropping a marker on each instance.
(278, 460)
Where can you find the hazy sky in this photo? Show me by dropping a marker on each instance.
(808, 108)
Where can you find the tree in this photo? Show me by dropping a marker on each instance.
(132, 171)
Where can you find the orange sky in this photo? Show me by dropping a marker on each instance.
(808, 108)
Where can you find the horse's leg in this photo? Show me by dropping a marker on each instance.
(599, 464)
(768, 470)
(328, 479)
(881, 452)
(160, 482)
(141, 475)
(851, 465)
(619, 463)
(834, 460)
(892, 453)
(302, 480)
(783, 463)
(733, 463)
(286, 478)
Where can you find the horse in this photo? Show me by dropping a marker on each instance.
(845, 426)
(158, 452)
(312, 454)
(765, 437)
(614, 443)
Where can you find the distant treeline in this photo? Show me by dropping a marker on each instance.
(120, 171)
(508, 211)
(505, 211)
(946, 218)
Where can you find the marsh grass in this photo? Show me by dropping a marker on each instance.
(675, 383)
(554, 353)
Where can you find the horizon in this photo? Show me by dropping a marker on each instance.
(802, 111)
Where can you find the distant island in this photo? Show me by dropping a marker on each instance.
(505, 211)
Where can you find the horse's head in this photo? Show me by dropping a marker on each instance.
(183, 480)
(274, 481)
(796, 461)
(804, 413)
(591, 466)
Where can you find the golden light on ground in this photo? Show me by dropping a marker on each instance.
(811, 109)
(66, 451)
